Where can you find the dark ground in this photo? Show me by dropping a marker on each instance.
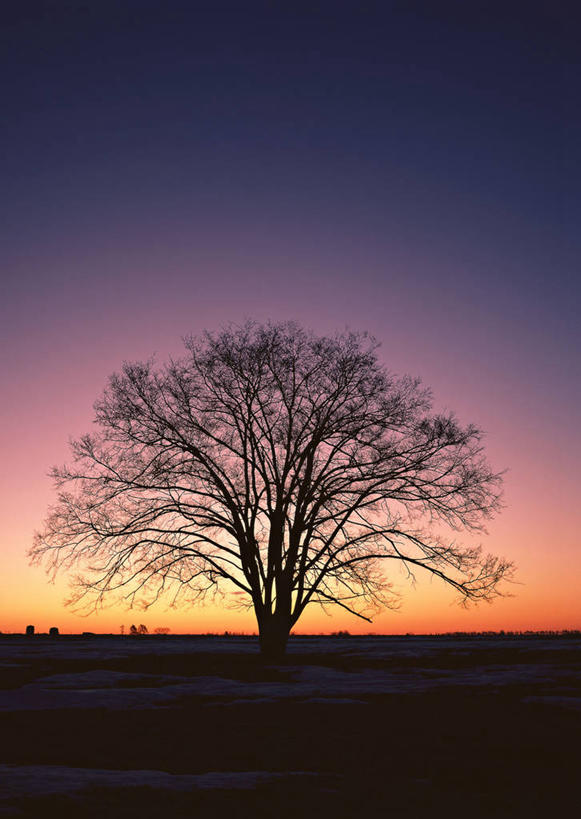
(478, 750)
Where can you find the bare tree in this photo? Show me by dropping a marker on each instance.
(294, 467)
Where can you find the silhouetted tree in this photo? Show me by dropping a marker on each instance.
(292, 466)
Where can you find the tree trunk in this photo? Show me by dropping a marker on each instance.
(273, 633)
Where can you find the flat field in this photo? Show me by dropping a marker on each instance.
(345, 727)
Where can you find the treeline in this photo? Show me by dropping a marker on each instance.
(489, 635)
(142, 630)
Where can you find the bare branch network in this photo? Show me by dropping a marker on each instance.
(292, 466)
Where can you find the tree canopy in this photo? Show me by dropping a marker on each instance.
(292, 468)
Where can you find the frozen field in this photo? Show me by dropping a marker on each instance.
(353, 668)
(124, 724)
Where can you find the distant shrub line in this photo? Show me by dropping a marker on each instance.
(142, 631)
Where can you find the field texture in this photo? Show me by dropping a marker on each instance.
(184, 726)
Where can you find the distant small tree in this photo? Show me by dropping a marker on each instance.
(133, 630)
(291, 466)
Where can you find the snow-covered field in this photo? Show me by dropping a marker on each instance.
(345, 690)
(121, 690)
(99, 688)
(17, 648)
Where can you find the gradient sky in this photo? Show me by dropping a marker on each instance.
(411, 169)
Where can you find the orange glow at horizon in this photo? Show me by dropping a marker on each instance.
(531, 431)
(545, 596)
(539, 600)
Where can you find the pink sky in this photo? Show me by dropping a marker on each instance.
(61, 359)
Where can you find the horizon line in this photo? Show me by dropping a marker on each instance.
(335, 634)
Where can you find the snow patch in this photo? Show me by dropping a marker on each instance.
(103, 679)
(119, 690)
(559, 701)
(42, 780)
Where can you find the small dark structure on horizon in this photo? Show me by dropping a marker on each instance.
(30, 631)
(53, 632)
